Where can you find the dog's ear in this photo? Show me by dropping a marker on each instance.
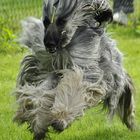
(103, 12)
(104, 16)
(47, 12)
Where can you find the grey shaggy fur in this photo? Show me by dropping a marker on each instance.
(54, 89)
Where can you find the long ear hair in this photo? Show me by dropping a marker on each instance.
(126, 110)
(65, 8)
(92, 11)
(103, 11)
(47, 12)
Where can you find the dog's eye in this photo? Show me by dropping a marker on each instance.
(46, 22)
(63, 33)
(60, 22)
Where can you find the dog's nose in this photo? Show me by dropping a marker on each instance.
(52, 49)
(58, 125)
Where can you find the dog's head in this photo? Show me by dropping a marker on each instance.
(55, 17)
(62, 18)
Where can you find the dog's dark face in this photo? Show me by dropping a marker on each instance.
(54, 37)
(55, 20)
(63, 17)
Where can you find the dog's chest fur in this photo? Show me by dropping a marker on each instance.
(84, 52)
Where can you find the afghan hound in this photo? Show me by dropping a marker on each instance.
(73, 66)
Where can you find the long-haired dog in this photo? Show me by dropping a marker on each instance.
(73, 66)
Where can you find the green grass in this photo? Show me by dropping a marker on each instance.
(13, 11)
(94, 125)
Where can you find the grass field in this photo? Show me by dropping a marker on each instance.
(94, 125)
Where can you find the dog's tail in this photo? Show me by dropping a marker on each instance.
(126, 109)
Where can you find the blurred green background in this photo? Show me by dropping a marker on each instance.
(93, 126)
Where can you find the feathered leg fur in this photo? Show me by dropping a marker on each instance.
(126, 106)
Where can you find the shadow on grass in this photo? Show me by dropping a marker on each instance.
(108, 134)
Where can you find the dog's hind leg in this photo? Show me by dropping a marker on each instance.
(126, 109)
